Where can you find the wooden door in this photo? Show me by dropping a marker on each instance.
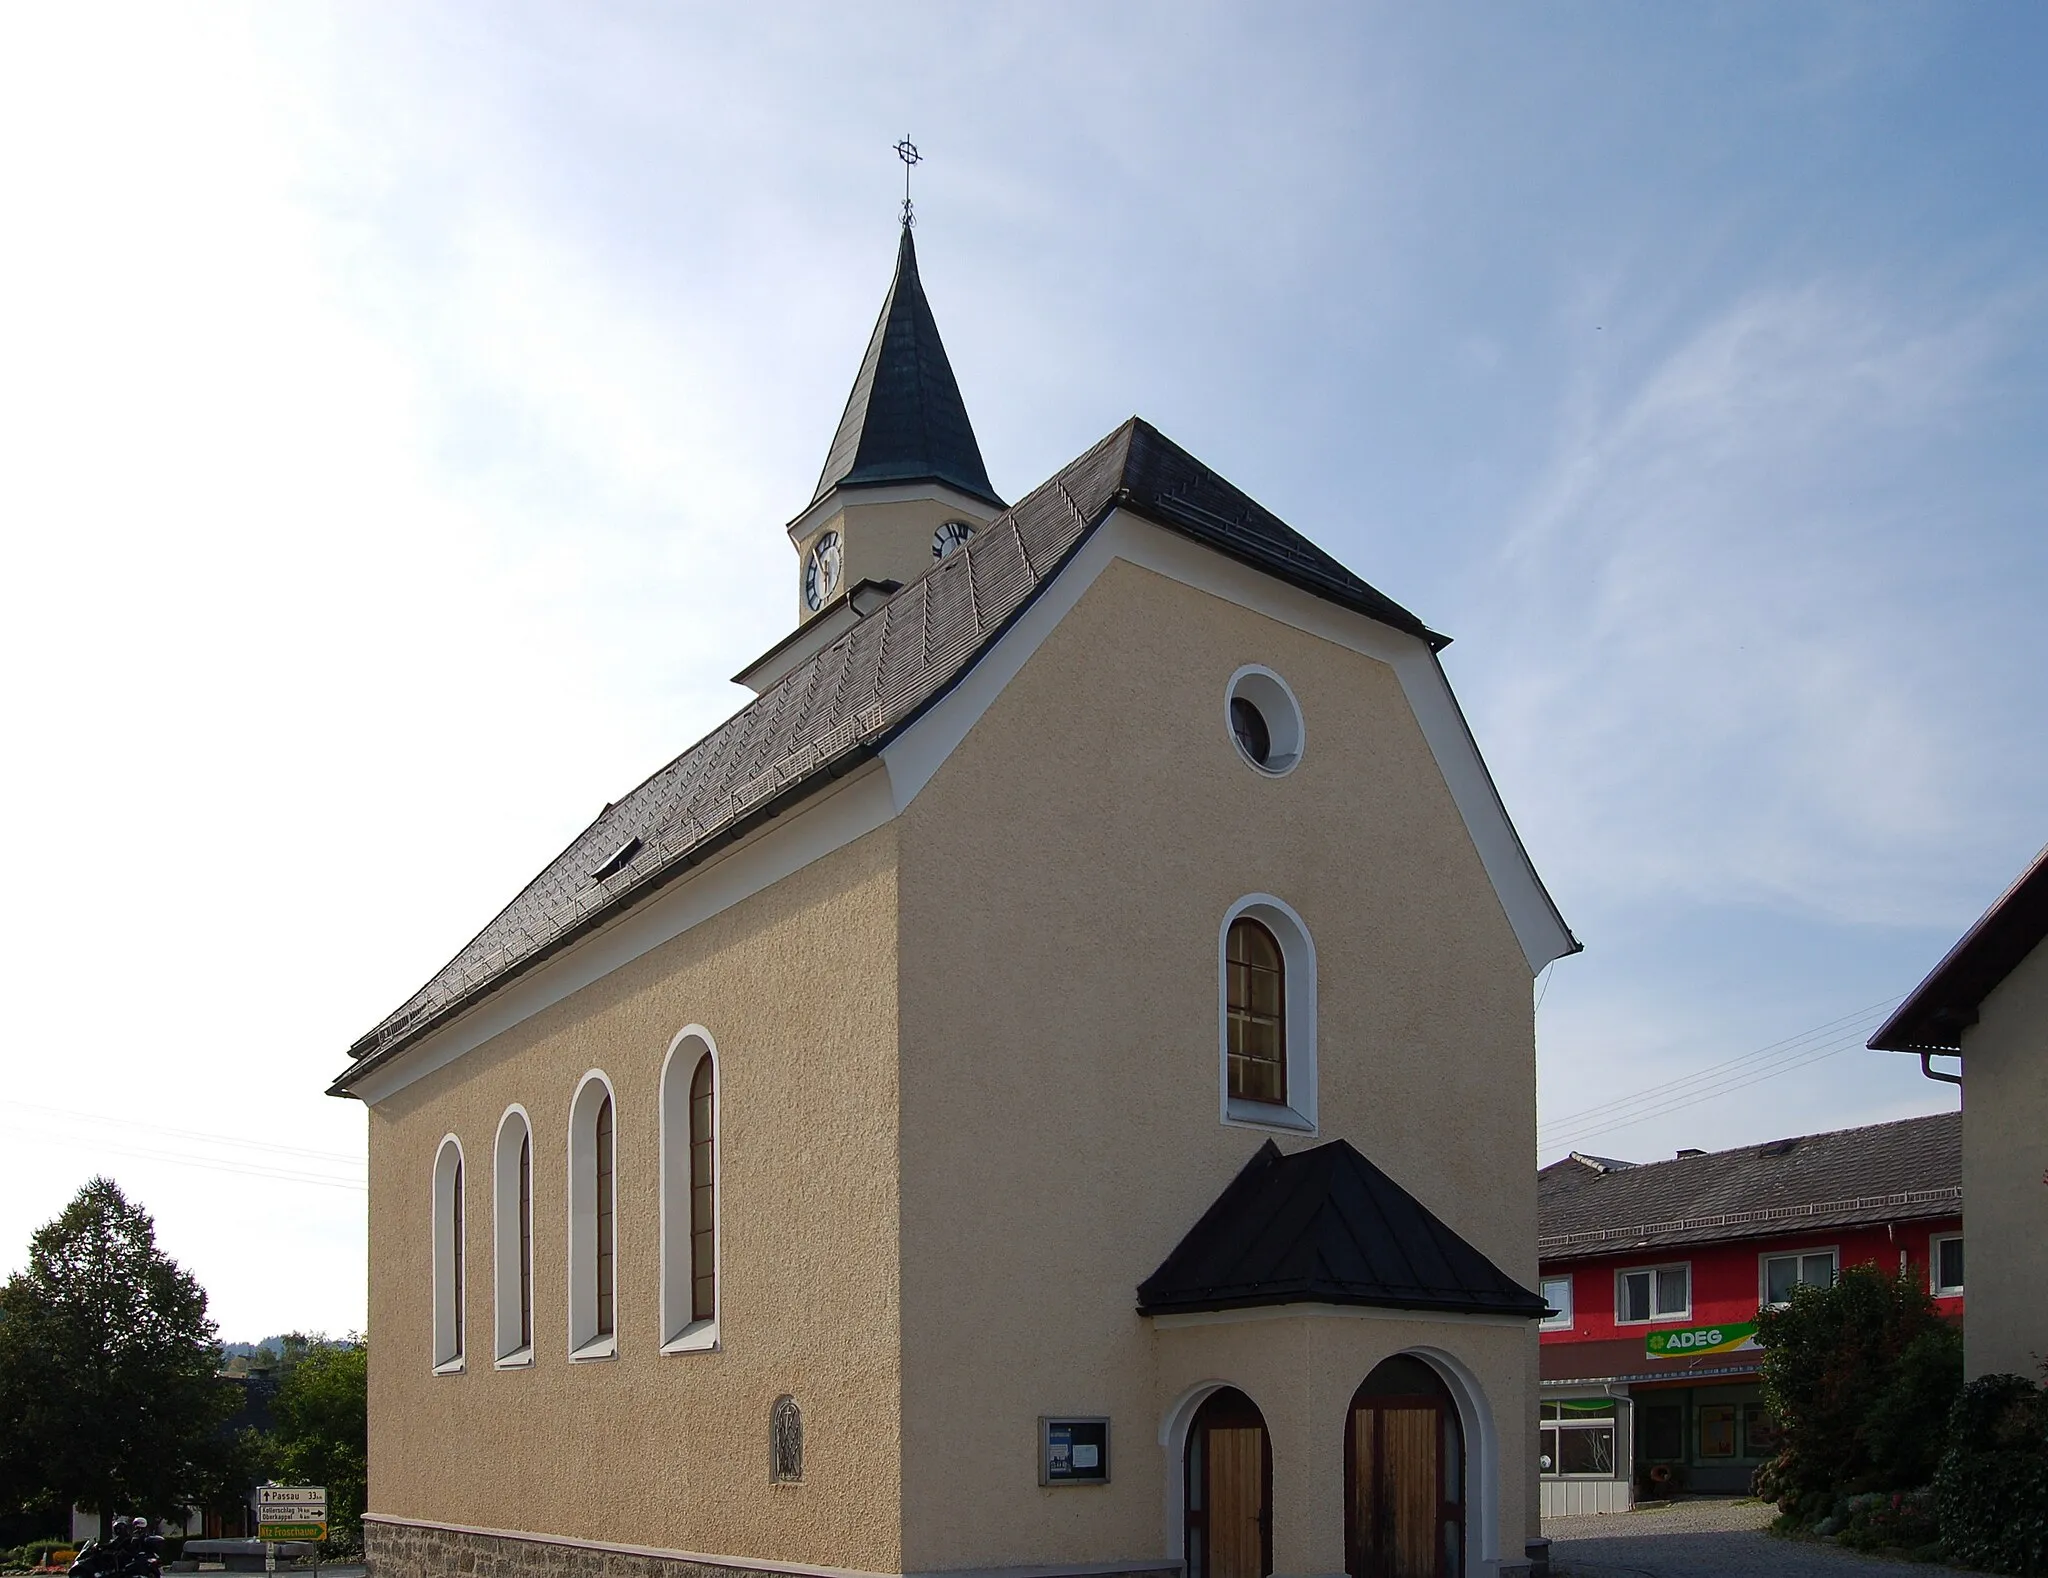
(1229, 1490)
(1404, 1519)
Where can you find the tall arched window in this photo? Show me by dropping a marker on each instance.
(512, 1238)
(689, 1194)
(593, 1227)
(1256, 1005)
(1266, 1001)
(449, 1257)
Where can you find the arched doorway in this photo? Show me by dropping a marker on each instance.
(1404, 1474)
(1229, 1491)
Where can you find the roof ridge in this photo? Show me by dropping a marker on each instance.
(1753, 1146)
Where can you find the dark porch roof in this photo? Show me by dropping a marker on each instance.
(1325, 1226)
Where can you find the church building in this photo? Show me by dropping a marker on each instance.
(1047, 1086)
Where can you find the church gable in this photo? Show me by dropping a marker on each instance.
(848, 702)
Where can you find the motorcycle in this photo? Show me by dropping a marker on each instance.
(120, 1558)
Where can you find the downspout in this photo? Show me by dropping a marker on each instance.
(1928, 1069)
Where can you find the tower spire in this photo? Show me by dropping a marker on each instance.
(904, 419)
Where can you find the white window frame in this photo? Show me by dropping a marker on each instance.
(1562, 1320)
(1277, 704)
(451, 1181)
(585, 1342)
(681, 1331)
(1617, 1424)
(510, 1353)
(1655, 1314)
(1763, 1273)
(1935, 1285)
(1298, 959)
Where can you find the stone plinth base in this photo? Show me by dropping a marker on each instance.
(395, 1549)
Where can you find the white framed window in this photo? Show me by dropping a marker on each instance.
(1266, 1016)
(1264, 720)
(512, 1239)
(689, 1194)
(1557, 1294)
(1778, 1275)
(1651, 1293)
(593, 1220)
(1945, 1265)
(450, 1258)
(1579, 1439)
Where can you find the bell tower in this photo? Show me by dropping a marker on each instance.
(903, 484)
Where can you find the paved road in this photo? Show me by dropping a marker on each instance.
(1707, 1539)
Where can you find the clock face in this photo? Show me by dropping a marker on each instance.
(821, 571)
(952, 535)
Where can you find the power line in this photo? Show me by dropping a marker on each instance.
(1629, 1120)
(1715, 1071)
(218, 1165)
(77, 1116)
(1719, 1079)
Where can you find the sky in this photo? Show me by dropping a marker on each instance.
(400, 407)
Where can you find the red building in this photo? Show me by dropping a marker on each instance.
(1656, 1272)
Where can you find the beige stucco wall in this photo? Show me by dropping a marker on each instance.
(796, 986)
(1064, 878)
(2005, 1175)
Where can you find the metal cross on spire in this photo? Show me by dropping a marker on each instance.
(906, 150)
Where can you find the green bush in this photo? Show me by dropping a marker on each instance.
(1901, 1520)
(1859, 1377)
(1991, 1491)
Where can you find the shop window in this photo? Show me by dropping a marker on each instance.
(1759, 1431)
(1653, 1293)
(1557, 1293)
(1717, 1430)
(1814, 1268)
(1664, 1432)
(1579, 1437)
(1945, 1260)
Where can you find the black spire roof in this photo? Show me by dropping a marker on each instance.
(905, 420)
(1325, 1226)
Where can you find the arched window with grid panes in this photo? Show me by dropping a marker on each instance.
(450, 1246)
(1256, 1007)
(1266, 1012)
(593, 1227)
(512, 1238)
(689, 1193)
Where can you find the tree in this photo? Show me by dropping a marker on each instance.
(323, 1430)
(1859, 1377)
(110, 1396)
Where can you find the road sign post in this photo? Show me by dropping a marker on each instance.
(289, 1512)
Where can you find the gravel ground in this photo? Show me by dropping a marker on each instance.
(1707, 1539)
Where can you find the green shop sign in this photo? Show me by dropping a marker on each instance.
(1684, 1342)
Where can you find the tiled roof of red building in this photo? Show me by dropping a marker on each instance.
(1886, 1172)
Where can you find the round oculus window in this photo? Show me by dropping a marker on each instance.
(1264, 720)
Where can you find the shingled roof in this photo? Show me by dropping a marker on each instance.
(842, 705)
(1325, 1226)
(905, 420)
(1886, 1172)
